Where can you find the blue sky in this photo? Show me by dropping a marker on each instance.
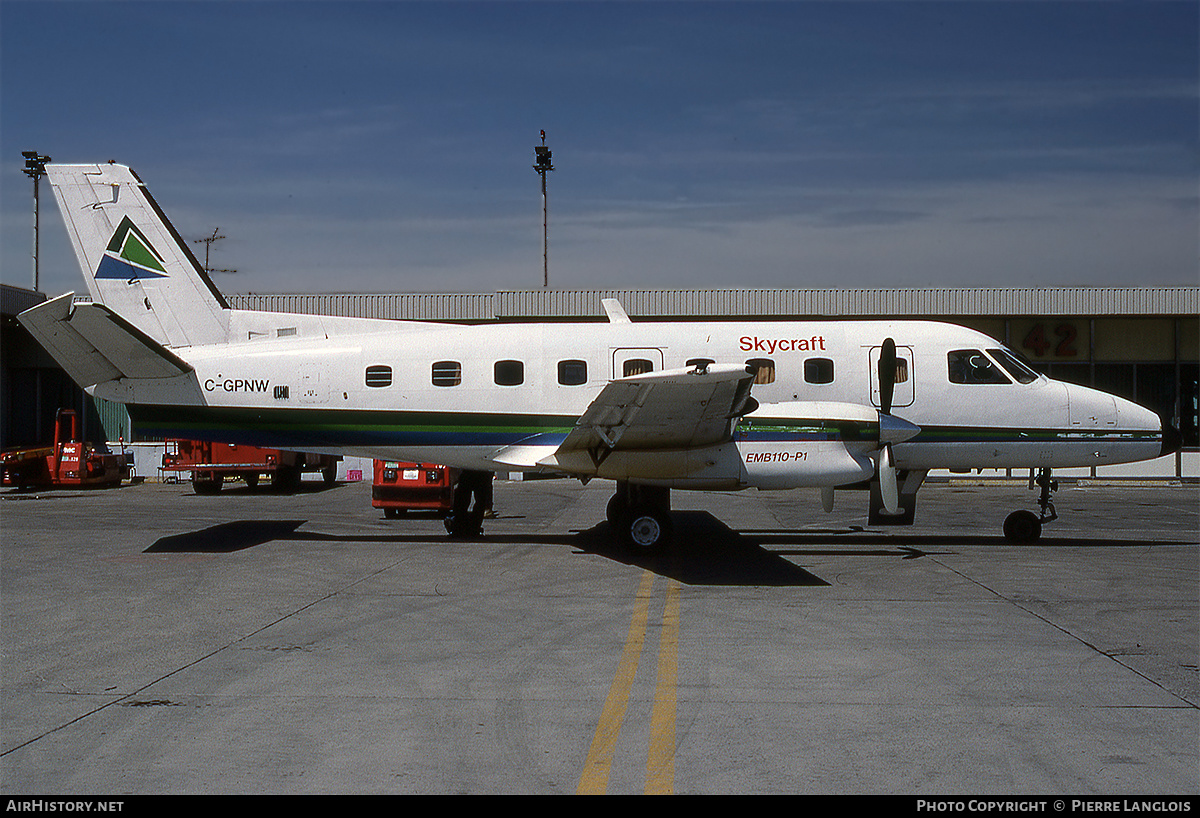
(387, 146)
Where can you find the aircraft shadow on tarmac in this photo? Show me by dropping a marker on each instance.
(706, 551)
(226, 538)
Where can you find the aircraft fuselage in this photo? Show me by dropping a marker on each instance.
(465, 395)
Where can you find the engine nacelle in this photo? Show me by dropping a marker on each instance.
(801, 464)
(799, 444)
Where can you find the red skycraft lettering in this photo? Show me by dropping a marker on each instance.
(752, 343)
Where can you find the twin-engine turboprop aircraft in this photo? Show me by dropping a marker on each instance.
(652, 406)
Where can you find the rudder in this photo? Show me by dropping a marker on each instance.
(133, 260)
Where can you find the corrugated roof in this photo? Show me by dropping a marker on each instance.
(935, 302)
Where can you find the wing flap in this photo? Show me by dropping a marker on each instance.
(674, 409)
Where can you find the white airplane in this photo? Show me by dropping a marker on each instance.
(715, 405)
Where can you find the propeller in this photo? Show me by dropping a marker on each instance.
(887, 375)
(891, 428)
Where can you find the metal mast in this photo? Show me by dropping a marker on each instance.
(35, 168)
(542, 166)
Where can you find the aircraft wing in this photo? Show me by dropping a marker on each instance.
(673, 409)
(94, 344)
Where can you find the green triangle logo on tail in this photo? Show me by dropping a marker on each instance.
(130, 255)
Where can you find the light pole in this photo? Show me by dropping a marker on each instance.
(542, 166)
(35, 168)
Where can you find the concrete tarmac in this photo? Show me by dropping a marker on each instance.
(156, 641)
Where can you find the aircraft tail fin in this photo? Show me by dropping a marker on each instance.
(133, 260)
(94, 345)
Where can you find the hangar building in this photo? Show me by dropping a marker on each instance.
(1139, 343)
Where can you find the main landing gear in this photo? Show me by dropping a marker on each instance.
(1025, 526)
(465, 520)
(641, 516)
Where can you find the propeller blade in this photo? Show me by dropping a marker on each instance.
(827, 498)
(887, 375)
(888, 487)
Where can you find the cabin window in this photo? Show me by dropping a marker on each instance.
(637, 366)
(447, 373)
(901, 370)
(379, 376)
(572, 373)
(764, 370)
(510, 373)
(971, 366)
(818, 370)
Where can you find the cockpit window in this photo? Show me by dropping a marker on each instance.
(1013, 365)
(971, 366)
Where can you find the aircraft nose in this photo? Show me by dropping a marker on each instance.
(1134, 416)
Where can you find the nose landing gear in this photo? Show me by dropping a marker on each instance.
(1025, 526)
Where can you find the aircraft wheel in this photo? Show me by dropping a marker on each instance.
(647, 528)
(1022, 527)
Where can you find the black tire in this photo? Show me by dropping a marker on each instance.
(286, 479)
(1022, 527)
(468, 525)
(210, 486)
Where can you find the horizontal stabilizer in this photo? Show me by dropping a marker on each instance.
(94, 344)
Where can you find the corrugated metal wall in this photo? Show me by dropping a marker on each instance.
(946, 302)
(15, 299)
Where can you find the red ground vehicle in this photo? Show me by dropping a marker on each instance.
(68, 462)
(402, 487)
(210, 463)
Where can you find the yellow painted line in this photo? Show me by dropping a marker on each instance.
(660, 766)
(594, 780)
